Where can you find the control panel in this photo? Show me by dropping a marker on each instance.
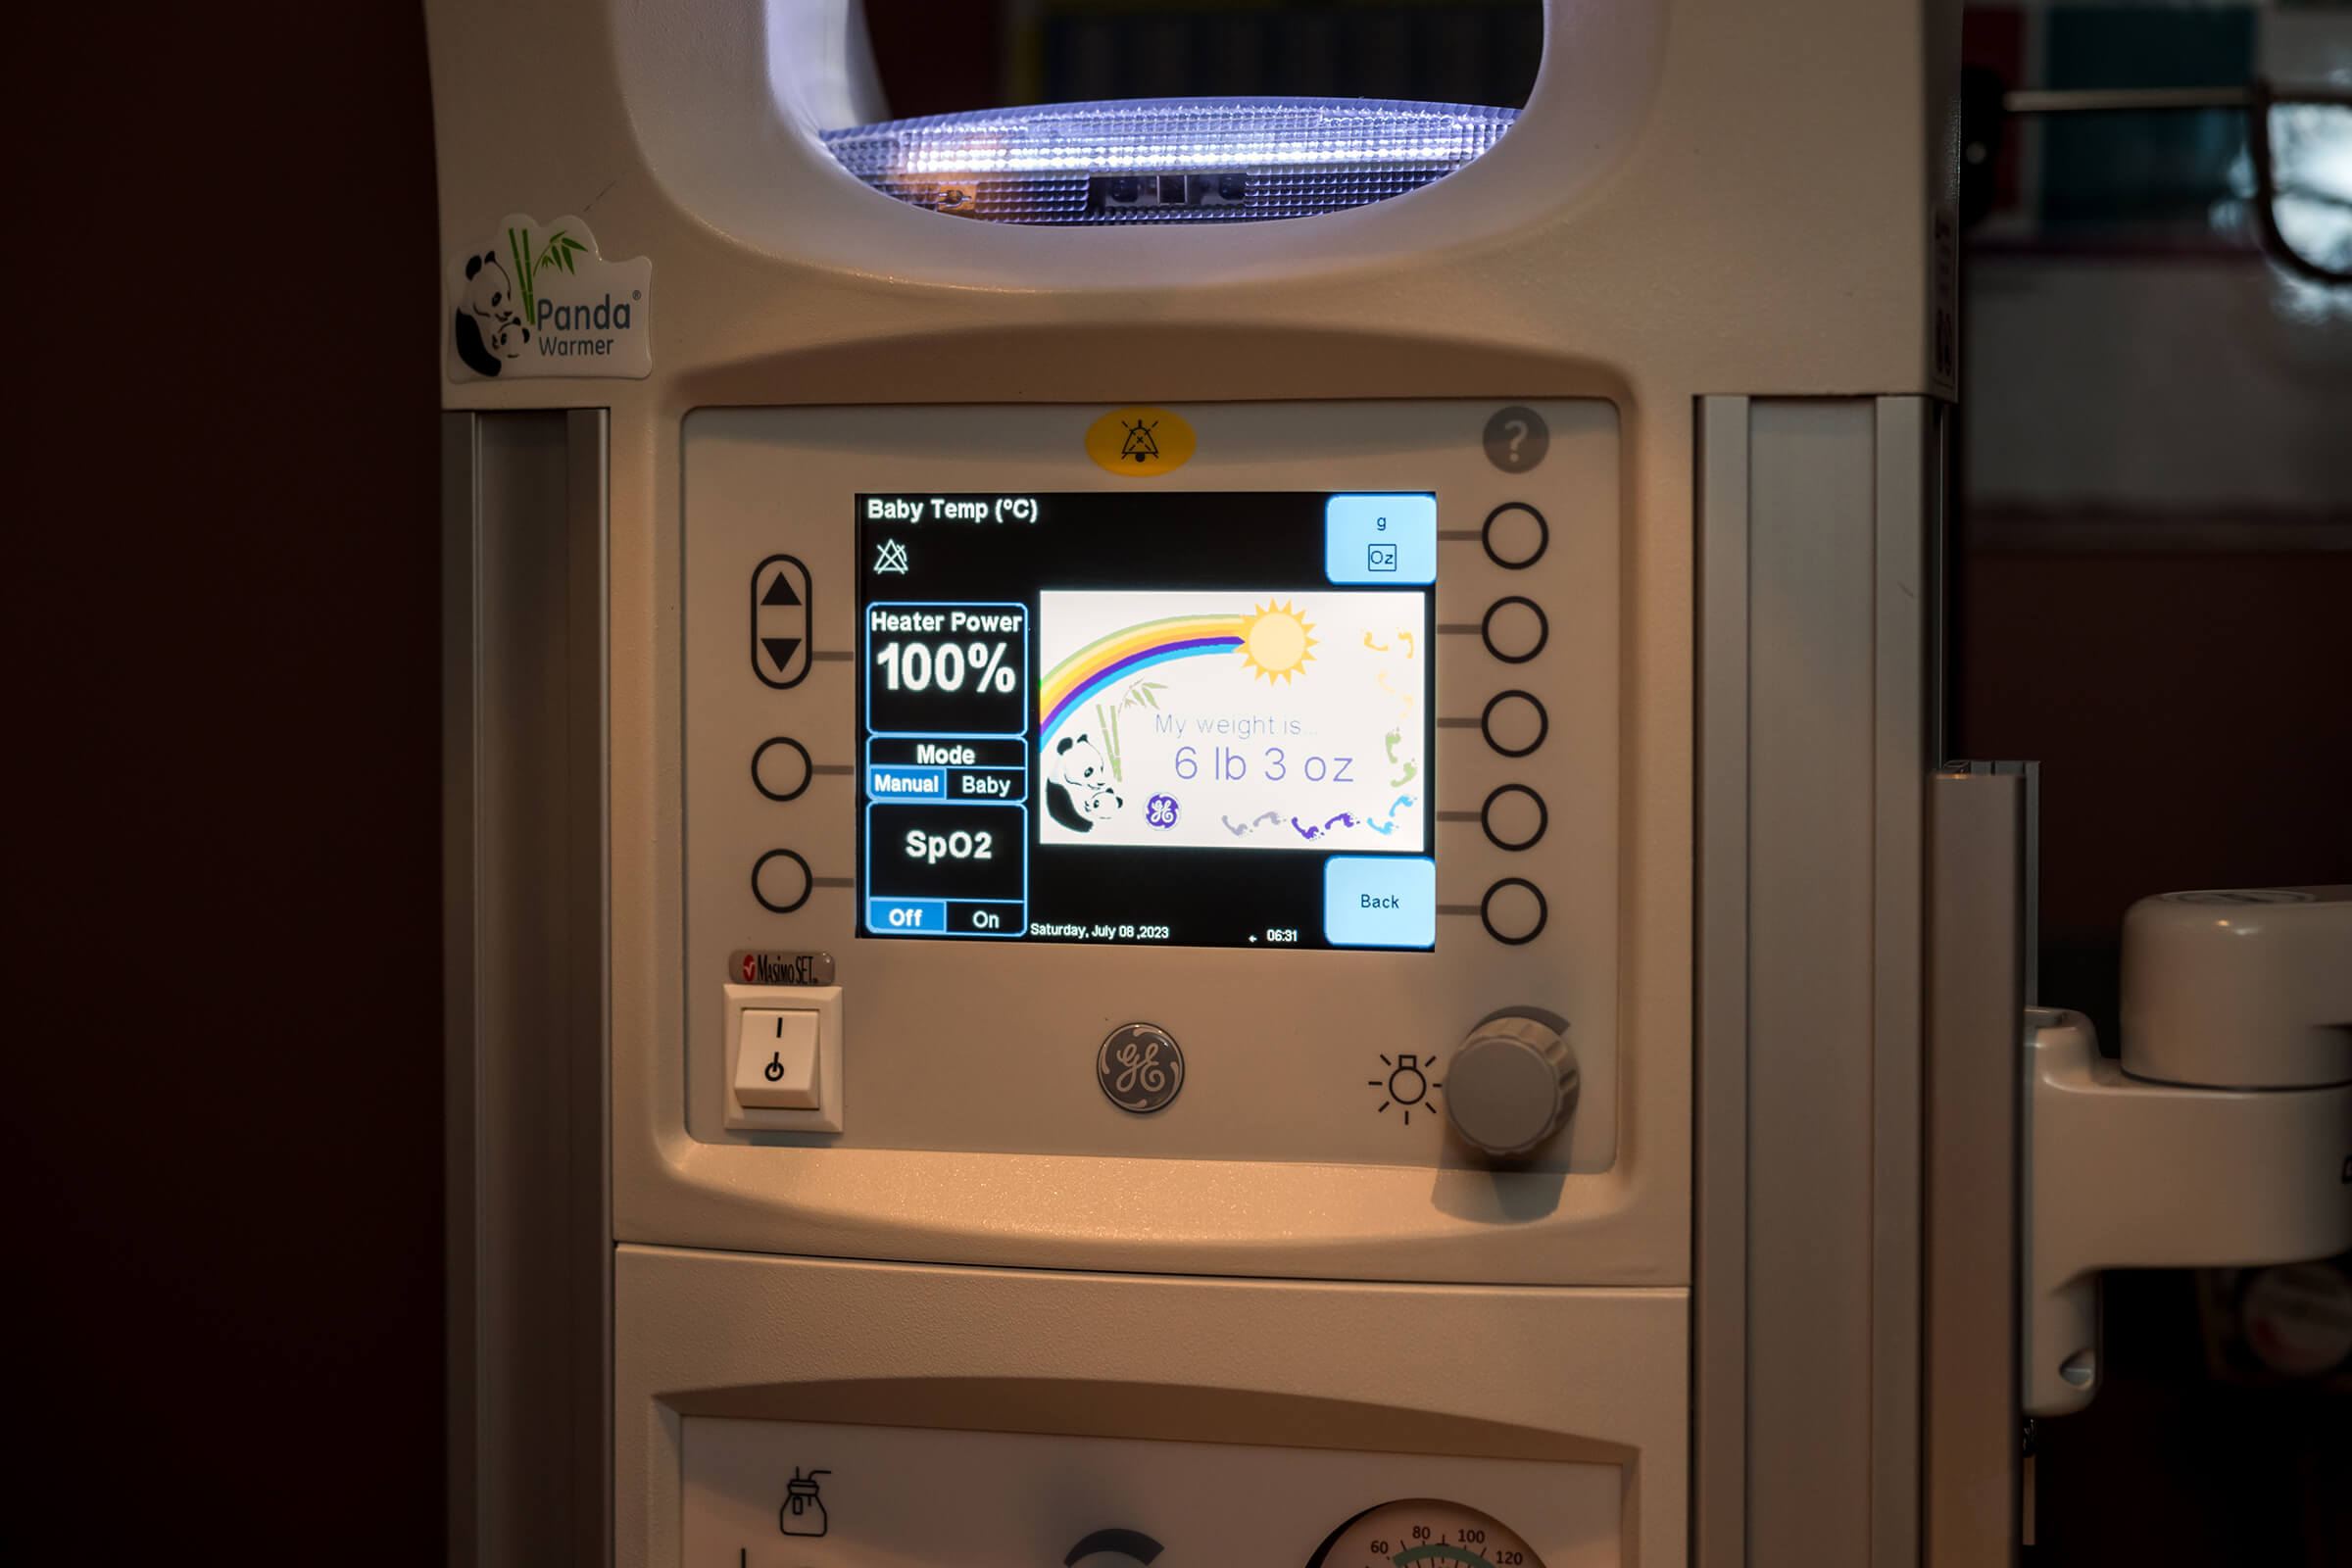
(810, 1494)
(1259, 804)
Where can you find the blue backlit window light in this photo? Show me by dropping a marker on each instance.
(1168, 160)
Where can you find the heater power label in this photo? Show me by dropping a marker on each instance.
(537, 300)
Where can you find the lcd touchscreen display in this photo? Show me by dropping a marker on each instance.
(1169, 718)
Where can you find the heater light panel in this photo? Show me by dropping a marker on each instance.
(1172, 160)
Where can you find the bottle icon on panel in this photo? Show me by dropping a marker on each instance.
(804, 1511)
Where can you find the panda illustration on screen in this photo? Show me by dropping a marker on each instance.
(1078, 792)
(489, 325)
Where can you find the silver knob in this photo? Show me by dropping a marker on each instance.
(1510, 1085)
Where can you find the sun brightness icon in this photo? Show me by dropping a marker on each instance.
(1275, 640)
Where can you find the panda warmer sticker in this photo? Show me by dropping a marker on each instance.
(1078, 788)
(538, 300)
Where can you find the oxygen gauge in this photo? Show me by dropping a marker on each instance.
(1424, 1530)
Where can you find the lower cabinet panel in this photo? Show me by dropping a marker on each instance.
(812, 1494)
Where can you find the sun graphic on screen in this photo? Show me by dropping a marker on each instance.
(1275, 640)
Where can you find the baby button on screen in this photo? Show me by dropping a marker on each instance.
(1380, 901)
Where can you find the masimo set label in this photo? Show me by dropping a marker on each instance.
(535, 299)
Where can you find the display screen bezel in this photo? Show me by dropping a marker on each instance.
(1157, 541)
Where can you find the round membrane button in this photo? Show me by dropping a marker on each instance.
(1514, 818)
(1514, 910)
(1514, 723)
(1516, 535)
(780, 768)
(1515, 629)
(780, 881)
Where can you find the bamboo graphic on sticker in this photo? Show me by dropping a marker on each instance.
(558, 253)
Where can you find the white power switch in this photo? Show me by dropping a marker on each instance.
(780, 1060)
(777, 1063)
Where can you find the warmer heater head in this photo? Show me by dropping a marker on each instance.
(1168, 160)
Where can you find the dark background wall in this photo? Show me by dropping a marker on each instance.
(223, 1105)
(222, 1128)
(2155, 561)
(2191, 713)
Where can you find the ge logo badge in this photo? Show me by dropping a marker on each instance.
(1160, 812)
(1139, 1068)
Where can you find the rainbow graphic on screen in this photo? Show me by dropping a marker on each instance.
(1126, 653)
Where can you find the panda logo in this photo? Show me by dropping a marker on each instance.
(1078, 792)
(489, 324)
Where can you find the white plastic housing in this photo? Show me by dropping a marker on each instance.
(2245, 987)
(2123, 1173)
(1649, 233)
(1495, 1393)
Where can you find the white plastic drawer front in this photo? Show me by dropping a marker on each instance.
(805, 1494)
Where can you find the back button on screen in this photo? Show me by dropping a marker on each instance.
(1380, 901)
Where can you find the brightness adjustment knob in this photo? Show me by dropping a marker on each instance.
(1510, 1085)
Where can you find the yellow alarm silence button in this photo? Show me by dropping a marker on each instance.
(1139, 442)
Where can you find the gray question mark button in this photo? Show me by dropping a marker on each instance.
(1516, 439)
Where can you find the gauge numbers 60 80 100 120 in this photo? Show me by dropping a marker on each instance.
(1424, 1530)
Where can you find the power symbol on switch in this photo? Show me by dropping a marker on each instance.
(779, 1062)
(775, 1064)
